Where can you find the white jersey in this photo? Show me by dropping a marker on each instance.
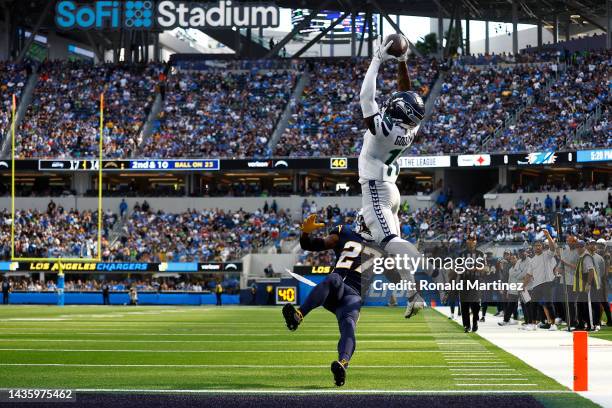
(379, 155)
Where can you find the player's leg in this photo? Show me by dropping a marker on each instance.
(398, 245)
(380, 202)
(332, 286)
(347, 314)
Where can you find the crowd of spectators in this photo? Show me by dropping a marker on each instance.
(555, 187)
(327, 119)
(601, 132)
(145, 235)
(56, 232)
(231, 108)
(550, 122)
(509, 58)
(183, 284)
(13, 78)
(207, 235)
(475, 101)
(219, 113)
(63, 118)
(450, 223)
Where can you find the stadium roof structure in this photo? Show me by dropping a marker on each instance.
(555, 15)
(588, 15)
(528, 11)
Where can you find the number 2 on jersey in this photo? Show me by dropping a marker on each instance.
(351, 251)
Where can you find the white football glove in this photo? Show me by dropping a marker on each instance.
(381, 53)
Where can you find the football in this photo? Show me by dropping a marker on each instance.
(400, 44)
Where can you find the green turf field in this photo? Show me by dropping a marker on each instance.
(605, 333)
(249, 348)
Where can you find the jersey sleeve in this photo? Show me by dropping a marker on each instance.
(382, 126)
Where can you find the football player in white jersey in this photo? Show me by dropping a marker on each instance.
(391, 131)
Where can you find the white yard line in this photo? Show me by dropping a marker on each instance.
(488, 374)
(491, 379)
(496, 384)
(210, 351)
(218, 366)
(547, 352)
(148, 341)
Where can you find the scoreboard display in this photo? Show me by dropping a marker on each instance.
(130, 165)
(286, 294)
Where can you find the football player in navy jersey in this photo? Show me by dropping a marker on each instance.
(340, 292)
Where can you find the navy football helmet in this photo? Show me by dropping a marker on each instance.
(405, 108)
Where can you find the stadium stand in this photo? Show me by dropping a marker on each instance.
(232, 110)
(216, 113)
(13, 78)
(327, 119)
(475, 102)
(63, 118)
(550, 123)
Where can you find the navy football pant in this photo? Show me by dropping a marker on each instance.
(342, 300)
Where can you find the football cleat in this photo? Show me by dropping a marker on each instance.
(338, 368)
(293, 317)
(414, 306)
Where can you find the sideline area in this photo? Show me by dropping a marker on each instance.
(552, 354)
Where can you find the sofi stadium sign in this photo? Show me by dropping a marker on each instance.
(166, 14)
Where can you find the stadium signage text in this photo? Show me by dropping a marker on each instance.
(286, 294)
(312, 270)
(412, 162)
(119, 267)
(202, 165)
(166, 14)
(584, 156)
(135, 165)
(468, 160)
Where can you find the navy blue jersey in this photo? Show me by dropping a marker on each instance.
(352, 250)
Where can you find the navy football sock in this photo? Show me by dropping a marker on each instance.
(346, 344)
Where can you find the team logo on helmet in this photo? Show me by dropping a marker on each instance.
(405, 108)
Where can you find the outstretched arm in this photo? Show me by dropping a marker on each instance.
(403, 78)
(309, 243)
(367, 96)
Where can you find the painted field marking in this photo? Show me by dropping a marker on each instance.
(256, 366)
(210, 351)
(486, 374)
(497, 384)
(493, 379)
(25, 340)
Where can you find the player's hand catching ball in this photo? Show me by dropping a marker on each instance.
(382, 53)
(310, 224)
